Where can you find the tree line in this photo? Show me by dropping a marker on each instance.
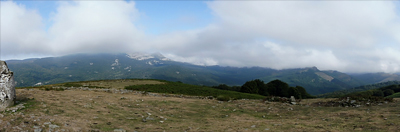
(273, 88)
(379, 92)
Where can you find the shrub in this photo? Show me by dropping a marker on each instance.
(223, 98)
(388, 92)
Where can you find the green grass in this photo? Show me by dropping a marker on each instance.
(193, 90)
(395, 95)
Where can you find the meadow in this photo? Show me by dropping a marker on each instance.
(117, 109)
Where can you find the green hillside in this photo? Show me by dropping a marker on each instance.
(341, 93)
(83, 67)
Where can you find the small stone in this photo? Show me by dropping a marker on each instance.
(119, 130)
(38, 129)
(53, 126)
(253, 126)
(149, 118)
(292, 99)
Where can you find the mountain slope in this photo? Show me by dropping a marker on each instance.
(82, 67)
(372, 78)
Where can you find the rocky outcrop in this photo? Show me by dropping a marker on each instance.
(355, 101)
(7, 86)
(290, 100)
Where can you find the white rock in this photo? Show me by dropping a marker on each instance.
(7, 86)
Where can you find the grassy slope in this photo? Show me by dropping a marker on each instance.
(160, 86)
(395, 95)
(194, 90)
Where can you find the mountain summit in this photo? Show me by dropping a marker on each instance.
(146, 56)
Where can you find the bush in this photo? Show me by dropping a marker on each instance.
(223, 98)
(388, 92)
(72, 85)
(377, 93)
(54, 89)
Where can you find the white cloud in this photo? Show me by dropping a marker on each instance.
(339, 35)
(335, 24)
(100, 26)
(21, 30)
(78, 27)
(349, 36)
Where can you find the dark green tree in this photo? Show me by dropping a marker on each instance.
(293, 91)
(278, 88)
(253, 86)
(377, 93)
(303, 93)
(388, 92)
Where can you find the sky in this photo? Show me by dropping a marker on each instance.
(347, 36)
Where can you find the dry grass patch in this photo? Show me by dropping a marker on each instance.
(77, 110)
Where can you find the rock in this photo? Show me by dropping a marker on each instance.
(52, 126)
(149, 118)
(119, 130)
(37, 129)
(292, 99)
(7, 86)
(253, 126)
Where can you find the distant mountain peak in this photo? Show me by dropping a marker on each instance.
(313, 68)
(146, 56)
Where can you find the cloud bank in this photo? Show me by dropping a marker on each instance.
(349, 36)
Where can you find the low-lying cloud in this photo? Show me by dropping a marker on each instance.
(349, 36)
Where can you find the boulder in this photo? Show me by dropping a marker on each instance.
(7, 86)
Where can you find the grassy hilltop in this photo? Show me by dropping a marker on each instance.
(107, 106)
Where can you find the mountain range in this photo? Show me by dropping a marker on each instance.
(83, 67)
